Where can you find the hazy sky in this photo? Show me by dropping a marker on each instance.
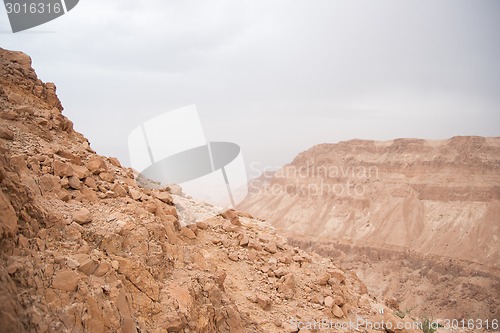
(276, 77)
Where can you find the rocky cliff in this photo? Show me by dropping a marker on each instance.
(418, 220)
(83, 248)
(432, 197)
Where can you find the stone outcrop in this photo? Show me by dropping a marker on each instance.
(412, 217)
(412, 194)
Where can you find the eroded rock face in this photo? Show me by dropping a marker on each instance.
(85, 249)
(412, 217)
(413, 194)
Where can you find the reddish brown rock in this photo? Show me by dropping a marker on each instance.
(263, 301)
(96, 165)
(231, 216)
(6, 134)
(107, 177)
(74, 183)
(62, 169)
(119, 190)
(82, 216)
(8, 222)
(66, 280)
(188, 233)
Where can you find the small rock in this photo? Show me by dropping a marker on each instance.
(317, 299)
(323, 280)
(221, 277)
(15, 98)
(102, 269)
(107, 177)
(263, 301)
(72, 263)
(88, 267)
(49, 184)
(8, 115)
(163, 196)
(271, 247)
(287, 287)
(233, 256)
(337, 311)
(119, 190)
(96, 165)
(111, 194)
(90, 182)
(82, 216)
(89, 194)
(70, 156)
(114, 161)
(74, 183)
(244, 240)
(337, 276)
(231, 216)
(175, 189)
(80, 172)
(188, 233)
(254, 245)
(280, 272)
(61, 169)
(229, 227)
(6, 134)
(66, 280)
(64, 182)
(202, 225)
(329, 301)
(135, 194)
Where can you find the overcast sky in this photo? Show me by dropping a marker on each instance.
(275, 77)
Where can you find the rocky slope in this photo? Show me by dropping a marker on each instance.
(83, 248)
(415, 218)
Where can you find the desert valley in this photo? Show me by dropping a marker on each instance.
(358, 236)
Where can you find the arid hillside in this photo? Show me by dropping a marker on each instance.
(83, 248)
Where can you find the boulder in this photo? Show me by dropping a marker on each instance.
(115, 162)
(271, 247)
(107, 177)
(62, 169)
(119, 190)
(337, 311)
(66, 280)
(329, 301)
(323, 280)
(263, 301)
(163, 196)
(74, 183)
(80, 171)
(188, 233)
(287, 287)
(6, 133)
(8, 222)
(70, 156)
(96, 165)
(231, 216)
(135, 193)
(82, 216)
